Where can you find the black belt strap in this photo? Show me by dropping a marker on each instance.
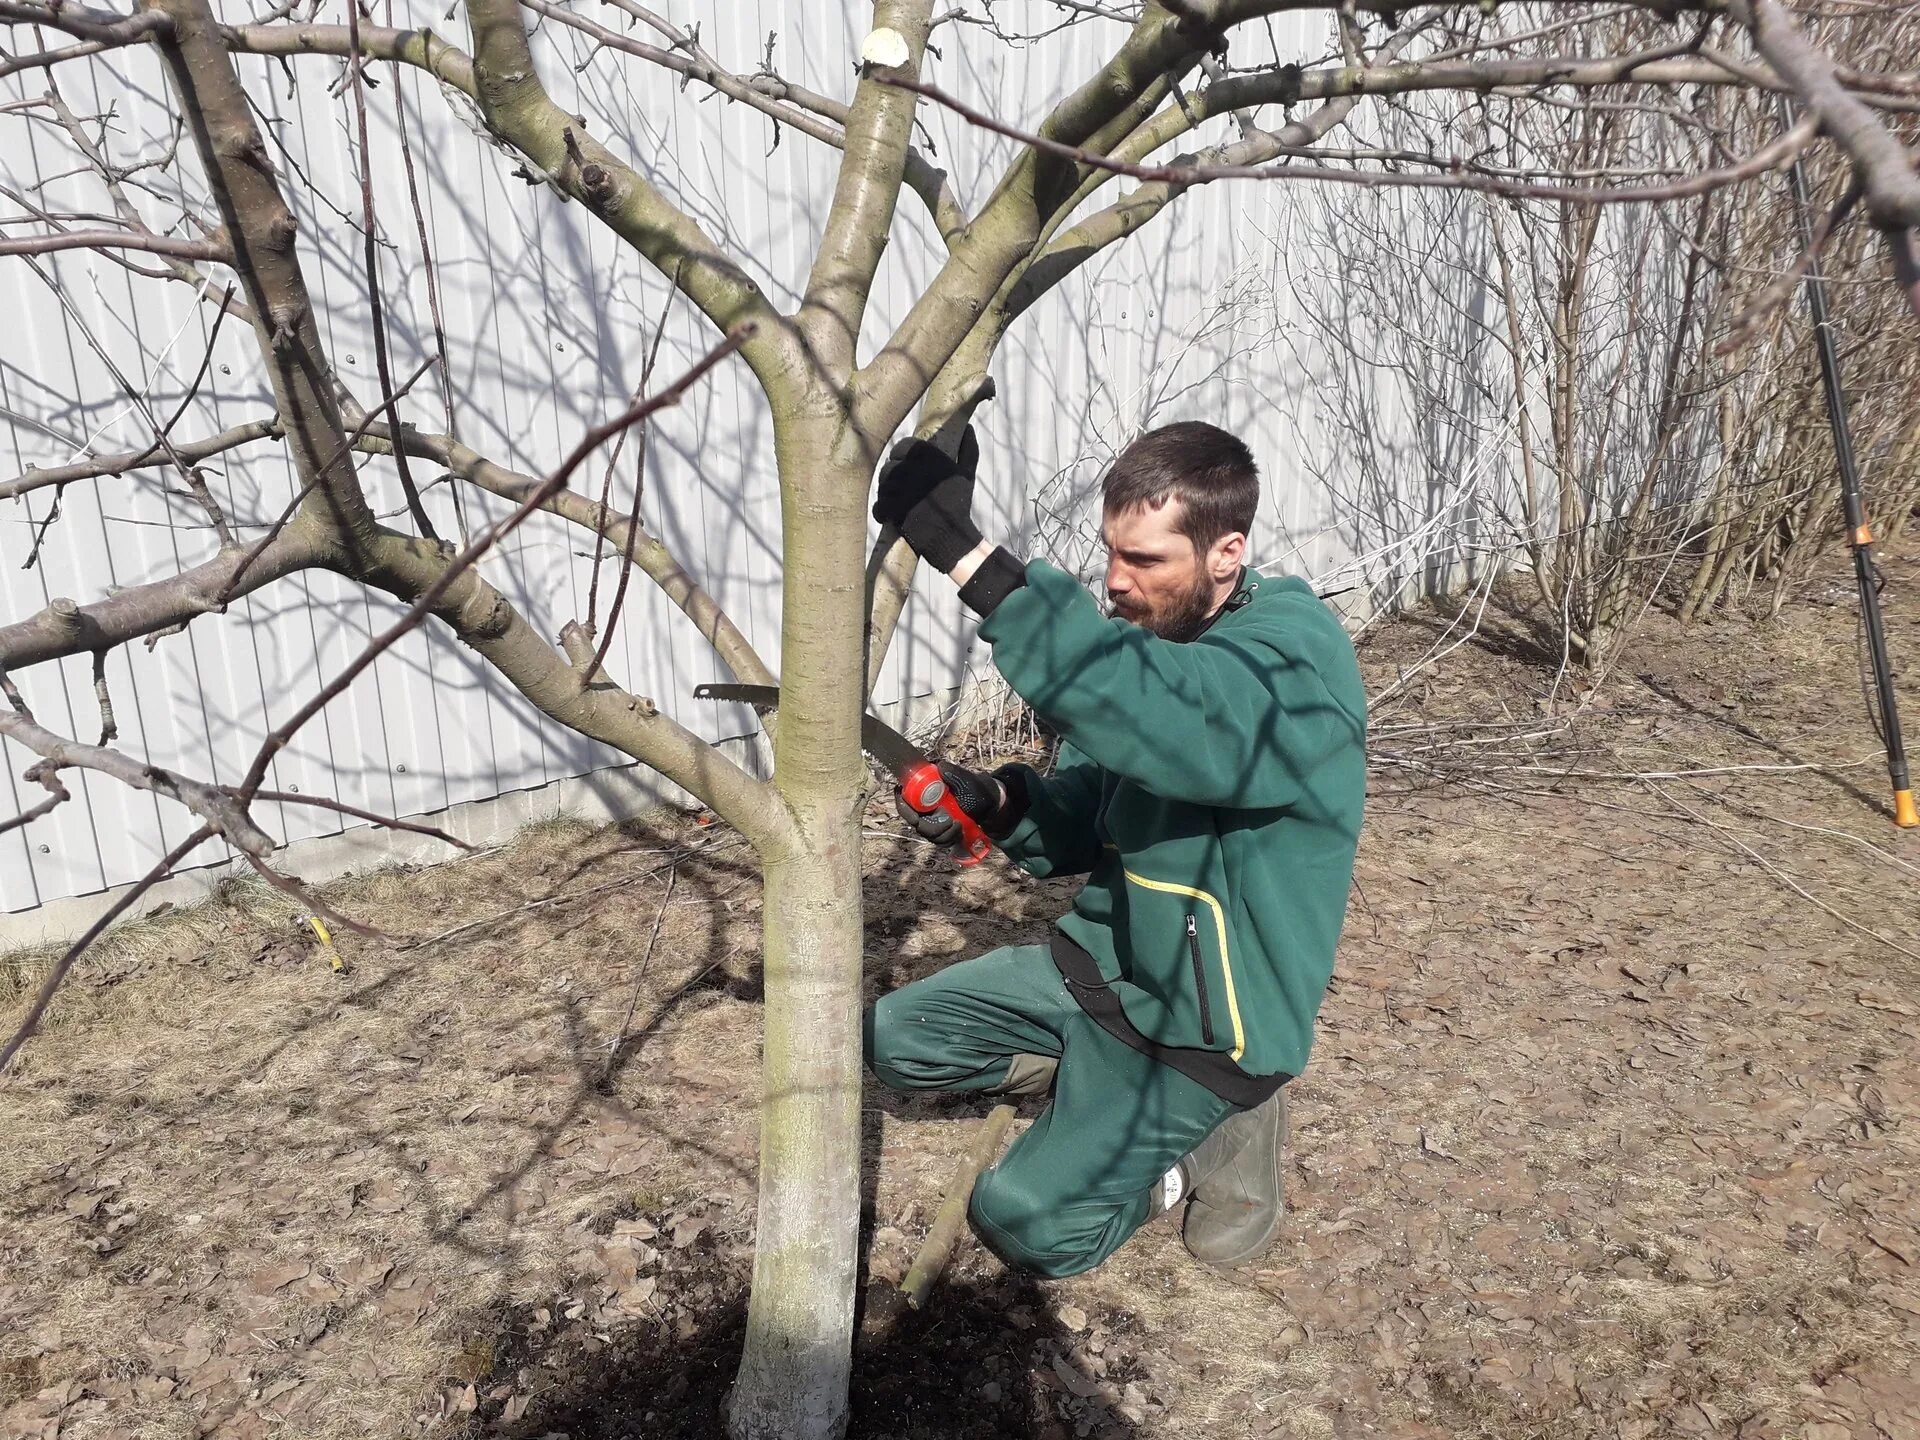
(1210, 1068)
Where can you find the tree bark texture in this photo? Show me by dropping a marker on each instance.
(793, 1374)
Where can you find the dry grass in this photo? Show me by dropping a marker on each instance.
(254, 1108)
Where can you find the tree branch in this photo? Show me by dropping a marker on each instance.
(1288, 85)
(46, 59)
(262, 232)
(518, 109)
(103, 27)
(421, 572)
(1128, 214)
(1200, 15)
(422, 49)
(1891, 186)
(1772, 156)
(780, 101)
(64, 628)
(1095, 116)
(191, 451)
(450, 588)
(225, 814)
(103, 239)
(866, 188)
(649, 553)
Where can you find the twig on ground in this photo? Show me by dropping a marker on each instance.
(1772, 818)
(640, 975)
(1782, 876)
(502, 916)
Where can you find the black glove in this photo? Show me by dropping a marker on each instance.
(996, 802)
(927, 496)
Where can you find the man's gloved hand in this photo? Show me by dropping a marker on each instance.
(984, 797)
(928, 497)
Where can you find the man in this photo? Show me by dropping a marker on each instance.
(1209, 785)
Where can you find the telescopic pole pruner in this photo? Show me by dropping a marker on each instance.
(1859, 532)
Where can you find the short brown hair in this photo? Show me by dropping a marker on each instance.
(1210, 472)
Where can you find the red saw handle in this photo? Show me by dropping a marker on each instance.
(926, 792)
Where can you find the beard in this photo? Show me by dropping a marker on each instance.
(1179, 618)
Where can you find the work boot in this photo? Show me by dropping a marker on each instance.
(1238, 1186)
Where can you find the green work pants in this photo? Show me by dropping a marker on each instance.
(1070, 1190)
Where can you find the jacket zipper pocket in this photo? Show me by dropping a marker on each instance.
(1200, 982)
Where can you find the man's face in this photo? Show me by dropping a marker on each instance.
(1156, 579)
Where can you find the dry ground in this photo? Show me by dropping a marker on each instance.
(1612, 1128)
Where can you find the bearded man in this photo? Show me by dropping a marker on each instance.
(1209, 785)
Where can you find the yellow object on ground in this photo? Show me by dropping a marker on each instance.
(339, 966)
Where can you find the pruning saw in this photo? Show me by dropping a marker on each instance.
(918, 776)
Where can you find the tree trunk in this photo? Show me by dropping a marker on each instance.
(794, 1372)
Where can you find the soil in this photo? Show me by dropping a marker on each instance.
(1612, 1130)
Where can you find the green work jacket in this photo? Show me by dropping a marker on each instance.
(1211, 791)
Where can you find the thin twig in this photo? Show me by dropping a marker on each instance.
(613, 461)
(501, 917)
(389, 822)
(646, 956)
(1773, 818)
(432, 271)
(1782, 876)
(47, 775)
(287, 885)
(639, 491)
(109, 727)
(277, 739)
(368, 227)
(1769, 157)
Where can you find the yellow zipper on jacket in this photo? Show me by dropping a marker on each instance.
(1220, 925)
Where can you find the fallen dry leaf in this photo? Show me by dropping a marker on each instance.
(1904, 1248)
(1882, 1002)
(1074, 1379)
(364, 1273)
(277, 1277)
(384, 1198)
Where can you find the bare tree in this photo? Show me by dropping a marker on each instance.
(1205, 68)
